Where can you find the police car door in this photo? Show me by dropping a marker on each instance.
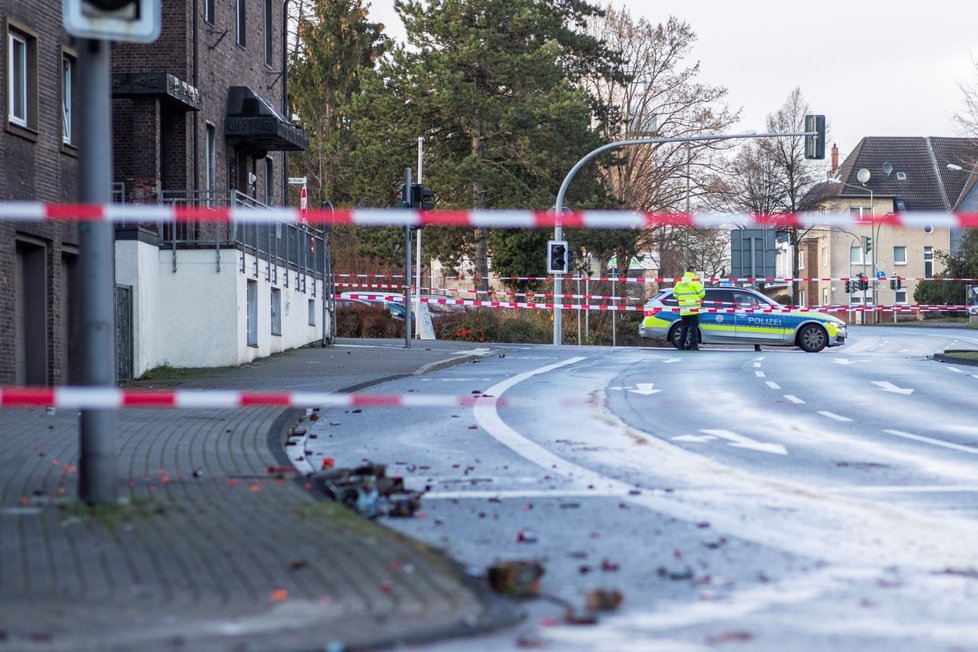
(717, 322)
(753, 324)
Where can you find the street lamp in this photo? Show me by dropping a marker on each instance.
(863, 177)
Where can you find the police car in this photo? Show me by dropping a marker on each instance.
(742, 316)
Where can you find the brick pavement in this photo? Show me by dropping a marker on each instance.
(215, 547)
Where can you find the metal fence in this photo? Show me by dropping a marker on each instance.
(298, 248)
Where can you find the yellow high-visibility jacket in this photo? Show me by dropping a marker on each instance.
(689, 292)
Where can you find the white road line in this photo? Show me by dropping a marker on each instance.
(488, 419)
(529, 493)
(934, 442)
(905, 489)
(757, 364)
(760, 374)
(794, 399)
(833, 415)
(956, 370)
(772, 384)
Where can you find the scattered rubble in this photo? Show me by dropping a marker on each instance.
(603, 600)
(368, 490)
(516, 578)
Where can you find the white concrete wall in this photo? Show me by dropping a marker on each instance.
(197, 316)
(136, 266)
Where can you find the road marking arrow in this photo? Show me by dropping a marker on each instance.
(740, 441)
(696, 439)
(670, 360)
(846, 361)
(644, 388)
(890, 387)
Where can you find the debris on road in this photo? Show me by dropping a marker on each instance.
(603, 599)
(368, 490)
(516, 578)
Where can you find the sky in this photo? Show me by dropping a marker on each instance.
(872, 67)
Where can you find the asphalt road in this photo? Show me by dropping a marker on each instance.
(774, 499)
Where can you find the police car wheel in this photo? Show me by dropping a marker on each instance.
(812, 338)
(674, 336)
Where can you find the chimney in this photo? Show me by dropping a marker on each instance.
(835, 158)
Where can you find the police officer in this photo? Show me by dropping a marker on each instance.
(689, 293)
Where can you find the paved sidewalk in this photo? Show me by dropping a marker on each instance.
(218, 548)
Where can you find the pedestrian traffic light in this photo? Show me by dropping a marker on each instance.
(558, 261)
(848, 287)
(896, 283)
(815, 136)
(421, 197)
(863, 283)
(113, 20)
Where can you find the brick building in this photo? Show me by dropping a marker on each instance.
(198, 118)
(38, 161)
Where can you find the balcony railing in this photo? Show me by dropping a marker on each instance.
(299, 249)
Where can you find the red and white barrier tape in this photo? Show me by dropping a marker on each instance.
(493, 304)
(518, 219)
(527, 295)
(855, 307)
(96, 398)
(666, 279)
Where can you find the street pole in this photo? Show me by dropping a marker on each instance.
(328, 315)
(417, 258)
(872, 224)
(97, 462)
(558, 277)
(407, 263)
(559, 204)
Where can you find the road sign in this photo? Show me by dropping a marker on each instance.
(138, 21)
(297, 181)
(881, 275)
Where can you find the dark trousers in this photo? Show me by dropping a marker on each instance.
(689, 332)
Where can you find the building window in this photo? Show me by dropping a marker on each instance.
(239, 21)
(209, 11)
(825, 296)
(210, 141)
(268, 33)
(928, 262)
(899, 255)
(312, 312)
(900, 296)
(276, 311)
(67, 99)
(21, 78)
(801, 297)
(856, 255)
(269, 175)
(825, 256)
(801, 260)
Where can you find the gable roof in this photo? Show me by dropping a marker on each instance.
(910, 169)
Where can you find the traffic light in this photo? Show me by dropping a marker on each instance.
(863, 283)
(113, 20)
(867, 244)
(848, 287)
(421, 197)
(815, 142)
(558, 260)
(896, 283)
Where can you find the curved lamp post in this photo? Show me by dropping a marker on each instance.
(559, 205)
